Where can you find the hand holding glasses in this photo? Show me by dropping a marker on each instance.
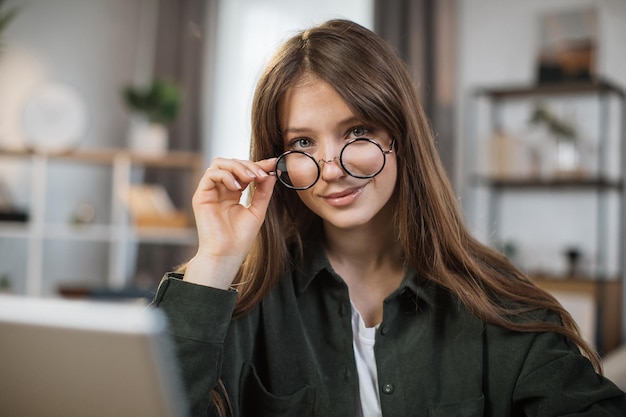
(359, 158)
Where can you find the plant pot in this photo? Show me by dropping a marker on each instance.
(146, 138)
(568, 155)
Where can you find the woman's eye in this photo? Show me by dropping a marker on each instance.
(359, 131)
(301, 143)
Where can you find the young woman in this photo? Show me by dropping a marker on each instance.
(348, 286)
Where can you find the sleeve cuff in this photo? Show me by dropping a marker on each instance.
(195, 311)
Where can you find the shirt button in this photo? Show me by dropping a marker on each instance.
(384, 329)
(388, 389)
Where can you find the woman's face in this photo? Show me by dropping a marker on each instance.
(315, 119)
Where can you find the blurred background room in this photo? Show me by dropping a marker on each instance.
(111, 109)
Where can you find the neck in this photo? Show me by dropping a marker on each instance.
(362, 249)
(370, 261)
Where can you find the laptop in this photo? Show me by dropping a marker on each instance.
(78, 358)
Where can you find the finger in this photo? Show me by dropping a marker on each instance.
(261, 196)
(214, 177)
(231, 172)
(268, 166)
(247, 171)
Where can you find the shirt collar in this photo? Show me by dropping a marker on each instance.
(316, 264)
(418, 287)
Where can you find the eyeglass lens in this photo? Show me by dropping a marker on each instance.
(361, 158)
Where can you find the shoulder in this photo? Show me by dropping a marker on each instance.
(502, 342)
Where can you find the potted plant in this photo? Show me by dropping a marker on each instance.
(154, 108)
(564, 133)
(5, 18)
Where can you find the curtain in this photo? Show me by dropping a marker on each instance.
(181, 34)
(424, 34)
(179, 53)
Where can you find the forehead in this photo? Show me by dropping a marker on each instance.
(312, 102)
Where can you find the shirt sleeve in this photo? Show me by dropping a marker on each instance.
(198, 319)
(557, 380)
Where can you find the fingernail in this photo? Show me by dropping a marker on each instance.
(239, 187)
(262, 173)
(250, 174)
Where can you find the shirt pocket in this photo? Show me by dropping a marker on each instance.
(467, 408)
(256, 400)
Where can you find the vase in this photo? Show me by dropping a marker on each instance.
(148, 138)
(568, 155)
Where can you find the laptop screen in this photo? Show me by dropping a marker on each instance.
(86, 358)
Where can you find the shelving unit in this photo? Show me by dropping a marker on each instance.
(602, 189)
(118, 234)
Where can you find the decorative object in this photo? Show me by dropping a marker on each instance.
(502, 151)
(573, 256)
(84, 214)
(568, 46)
(54, 119)
(509, 156)
(153, 108)
(8, 212)
(5, 284)
(567, 146)
(151, 206)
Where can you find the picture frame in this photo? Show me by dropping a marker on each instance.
(568, 46)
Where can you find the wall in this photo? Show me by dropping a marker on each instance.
(498, 44)
(98, 46)
(95, 47)
(249, 31)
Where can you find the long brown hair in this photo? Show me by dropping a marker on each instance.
(374, 82)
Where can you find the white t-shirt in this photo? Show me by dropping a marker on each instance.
(363, 339)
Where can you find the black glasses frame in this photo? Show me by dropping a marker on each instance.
(340, 157)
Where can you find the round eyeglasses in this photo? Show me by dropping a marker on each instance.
(359, 158)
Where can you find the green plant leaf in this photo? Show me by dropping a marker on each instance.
(160, 102)
(559, 127)
(6, 17)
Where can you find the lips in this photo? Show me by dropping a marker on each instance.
(343, 197)
(341, 193)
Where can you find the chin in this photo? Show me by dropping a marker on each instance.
(350, 220)
(365, 212)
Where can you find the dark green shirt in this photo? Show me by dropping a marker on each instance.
(292, 355)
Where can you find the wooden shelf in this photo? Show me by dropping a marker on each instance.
(84, 232)
(605, 294)
(165, 235)
(599, 192)
(600, 86)
(173, 159)
(118, 232)
(20, 230)
(552, 183)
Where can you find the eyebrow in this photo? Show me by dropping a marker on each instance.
(346, 122)
(296, 130)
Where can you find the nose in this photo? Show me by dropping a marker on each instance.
(327, 161)
(330, 169)
(328, 152)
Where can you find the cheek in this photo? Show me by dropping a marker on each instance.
(388, 182)
(390, 172)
